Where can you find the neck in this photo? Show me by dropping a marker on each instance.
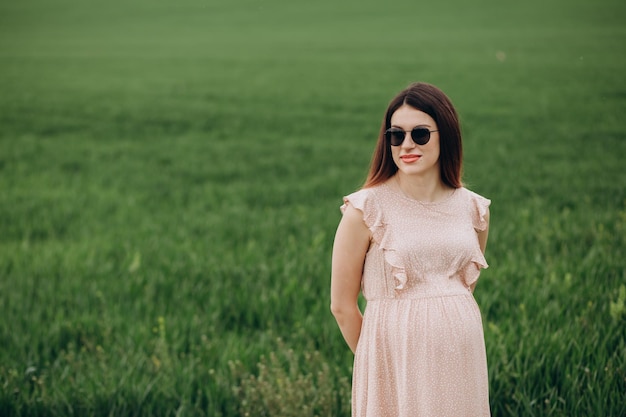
(422, 189)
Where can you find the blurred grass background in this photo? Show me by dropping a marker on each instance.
(171, 174)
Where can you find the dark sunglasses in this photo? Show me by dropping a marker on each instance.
(420, 135)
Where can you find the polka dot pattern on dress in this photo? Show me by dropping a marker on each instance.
(421, 351)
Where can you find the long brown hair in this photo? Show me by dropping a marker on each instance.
(432, 101)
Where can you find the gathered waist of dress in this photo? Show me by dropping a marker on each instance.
(411, 294)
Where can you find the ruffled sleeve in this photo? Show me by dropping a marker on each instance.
(479, 209)
(373, 217)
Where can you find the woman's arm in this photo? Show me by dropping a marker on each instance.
(352, 241)
(482, 241)
(484, 234)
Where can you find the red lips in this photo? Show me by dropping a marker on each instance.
(410, 158)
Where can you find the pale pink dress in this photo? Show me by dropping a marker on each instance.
(421, 352)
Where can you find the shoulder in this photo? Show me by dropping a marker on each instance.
(478, 206)
(365, 199)
(473, 197)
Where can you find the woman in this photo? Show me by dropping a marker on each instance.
(412, 240)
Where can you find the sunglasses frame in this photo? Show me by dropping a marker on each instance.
(419, 140)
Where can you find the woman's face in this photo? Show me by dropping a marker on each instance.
(410, 158)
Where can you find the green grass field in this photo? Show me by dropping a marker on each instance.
(171, 172)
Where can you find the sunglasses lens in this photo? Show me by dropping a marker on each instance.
(395, 136)
(420, 135)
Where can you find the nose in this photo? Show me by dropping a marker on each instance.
(408, 141)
